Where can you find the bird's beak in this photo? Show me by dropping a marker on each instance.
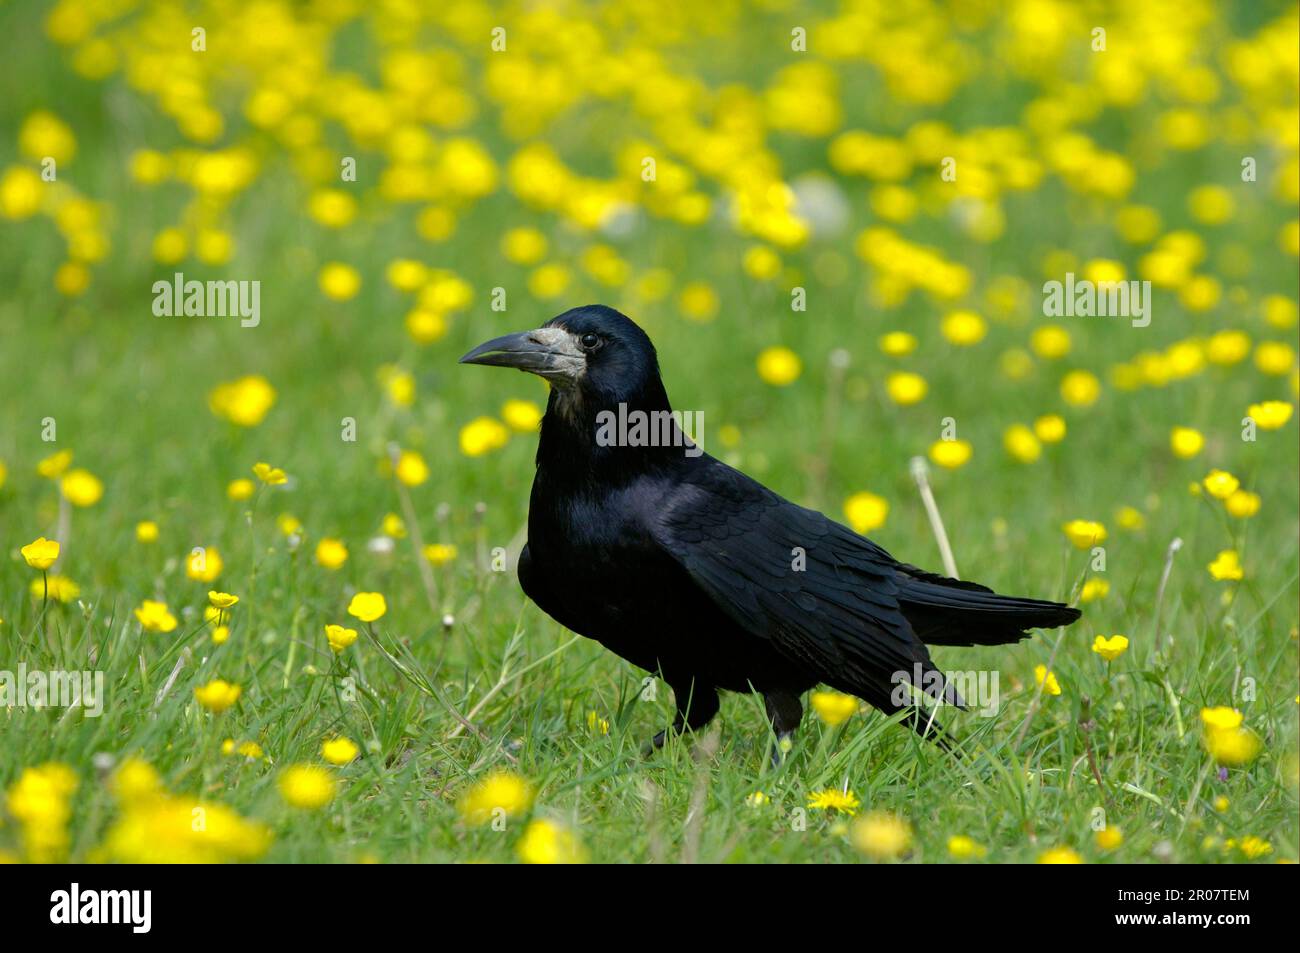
(552, 353)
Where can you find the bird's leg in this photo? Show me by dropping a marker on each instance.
(696, 707)
(785, 711)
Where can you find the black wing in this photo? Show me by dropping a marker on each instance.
(820, 594)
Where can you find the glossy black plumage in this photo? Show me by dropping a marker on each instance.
(688, 568)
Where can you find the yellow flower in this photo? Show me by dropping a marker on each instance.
(1094, 589)
(339, 638)
(60, 588)
(21, 192)
(1228, 742)
(962, 847)
(1220, 718)
(1050, 342)
(271, 476)
(1253, 847)
(244, 402)
(1220, 484)
(204, 566)
(288, 524)
(597, 724)
(440, 553)
(393, 526)
(339, 750)
(1110, 648)
(1227, 347)
(217, 695)
(162, 830)
(1226, 566)
(881, 835)
(411, 468)
(1270, 415)
(699, 302)
(521, 415)
(53, 466)
(1274, 357)
(833, 707)
(339, 281)
(898, 343)
(331, 553)
(963, 328)
(1080, 388)
(367, 606)
(905, 388)
(833, 799)
(1019, 441)
(240, 489)
(546, 843)
(1130, 518)
(1060, 855)
(220, 634)
(482, 435)
(406, 274)
(1050, 428)
(523, 246)
(307, 786)
(425, 325)
(1047, 679)
(245, 749)
(1085, 534)
(865, 511)
(950, 453)
(81, 487)
(155, 617)
(1243, 504)
(146, 531)
(43, 135)
(135, 780)
(499, 794)
(1186, 442)
(41, 553)
(221, 600)
(761, 263)
(779, 366)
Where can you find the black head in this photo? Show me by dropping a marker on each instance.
(593, 356)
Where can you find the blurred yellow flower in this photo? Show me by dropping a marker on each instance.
(440, 553)
(1085, 534)
(524, 246)
(1226, 566)
(1242, 504)
(81, 487)
(544, 842)
(905, 388)
(411, 468)
(339, 750)
(217, 695)
(779, 366)
(1270, 414)
(881, 835)
(833, 799)
(1186, 442)
(963, 328)
(1060, 855)
(698, 301)
(55, 465)
(60, 588)
(1094, 589)
(331, 553)
(1050, 342)
(146, 531)
(522, 416)
(1080, 388)
(155, 617)
(244, 402)
(240, 489)
(950, 454)
(865, 511)
(834, 708)
(272, 476)
(205, 565)
(1047, 679)
(962, 847)
(500, 794)
(221, 600)
(1220, 484)
(339, 281)
(306, 786)
(898, 343)
(482, 435)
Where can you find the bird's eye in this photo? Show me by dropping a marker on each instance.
(590, 341)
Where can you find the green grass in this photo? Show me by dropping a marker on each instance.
(128, 392)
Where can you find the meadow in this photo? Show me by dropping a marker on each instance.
(835, 220)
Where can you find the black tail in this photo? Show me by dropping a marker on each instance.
(945, 611)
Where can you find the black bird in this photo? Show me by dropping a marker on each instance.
(686, 567)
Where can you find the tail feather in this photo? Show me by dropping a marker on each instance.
(945, 611)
